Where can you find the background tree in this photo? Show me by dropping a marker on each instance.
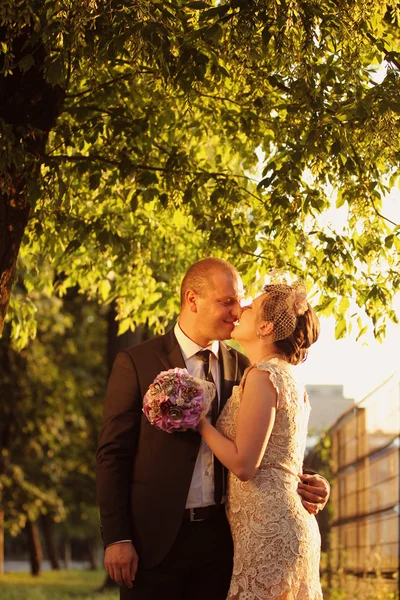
(51, 408)
(131, 137)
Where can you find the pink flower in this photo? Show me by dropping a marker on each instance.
(176, 401)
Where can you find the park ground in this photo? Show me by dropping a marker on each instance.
(85, 585)
(55, 585)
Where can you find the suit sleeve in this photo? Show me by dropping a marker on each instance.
(115, 454)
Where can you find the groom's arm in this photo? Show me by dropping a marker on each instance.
(115, 453)
(117, 445)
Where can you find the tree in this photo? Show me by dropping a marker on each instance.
(131, 137)
(50, 415)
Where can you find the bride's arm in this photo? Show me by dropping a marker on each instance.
(256, 418)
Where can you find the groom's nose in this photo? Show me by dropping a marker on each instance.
(236, 310)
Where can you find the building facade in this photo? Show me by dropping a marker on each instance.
(327, 404)
(364, 534)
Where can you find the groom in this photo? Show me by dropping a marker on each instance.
(165, 532)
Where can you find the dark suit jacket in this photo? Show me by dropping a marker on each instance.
(144, 474)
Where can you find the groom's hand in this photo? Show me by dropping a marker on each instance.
(121, 561)
(314, 491)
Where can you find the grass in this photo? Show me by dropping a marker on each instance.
(55, 585)
(84, 585)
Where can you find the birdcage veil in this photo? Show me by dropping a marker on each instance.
(282, 305)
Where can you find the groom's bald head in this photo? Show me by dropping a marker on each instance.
(200, 277)
(210, 301)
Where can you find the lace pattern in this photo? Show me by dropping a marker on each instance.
(277, 542)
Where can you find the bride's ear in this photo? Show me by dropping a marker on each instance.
(265, 329)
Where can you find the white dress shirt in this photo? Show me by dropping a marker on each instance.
(201, 491)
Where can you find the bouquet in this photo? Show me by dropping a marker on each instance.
(176, 401)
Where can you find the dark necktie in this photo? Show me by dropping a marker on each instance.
(204, 355)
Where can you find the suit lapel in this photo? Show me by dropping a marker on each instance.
(171, 356)
(229, 372)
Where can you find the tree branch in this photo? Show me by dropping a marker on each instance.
(110, 82)
(219, 98)
(392, 59)
(250, 193)
(383, 216)
(139, 166)
(100, 86)
(65, 140)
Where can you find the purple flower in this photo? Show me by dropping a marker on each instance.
(176, 401)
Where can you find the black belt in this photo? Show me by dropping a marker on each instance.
(203, 512)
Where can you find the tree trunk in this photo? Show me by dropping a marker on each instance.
(1, 541)
(116, 343)
(29, 107)
(67, 553)
(14, 213)
(34, 547)
(7, 406)
(47, 529)
(92, 554)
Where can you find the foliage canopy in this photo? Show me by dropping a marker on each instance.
(139, 136)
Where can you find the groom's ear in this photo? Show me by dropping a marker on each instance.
(191, 300)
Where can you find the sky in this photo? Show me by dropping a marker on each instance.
(359, 366)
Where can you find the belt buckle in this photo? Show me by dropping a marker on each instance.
(192, 515)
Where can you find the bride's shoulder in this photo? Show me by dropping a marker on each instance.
(257, 373)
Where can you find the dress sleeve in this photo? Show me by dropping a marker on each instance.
(273, 375)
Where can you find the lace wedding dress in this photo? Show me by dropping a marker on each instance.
(276, 541)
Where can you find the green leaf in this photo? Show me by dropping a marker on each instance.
(214, 33)
(217, 11)
(104, 289)
(216, 194)
(72, 246)
(134, 201)
(325, 307)
(104, 237)
(54, 74)
(266, 35)
(197, 5)
(362, 332)
(266, 182)
(147, 178)
(125, 325)
(344, 305)
(336, 148)
(164, 199)
(340, 199)
(389, 241)
(94, 180)
(340, 329)
(26, 63)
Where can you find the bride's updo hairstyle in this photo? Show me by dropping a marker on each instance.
(295, 324)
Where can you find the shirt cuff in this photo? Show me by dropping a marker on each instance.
(119, 542)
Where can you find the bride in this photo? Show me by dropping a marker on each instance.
(261, 437)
